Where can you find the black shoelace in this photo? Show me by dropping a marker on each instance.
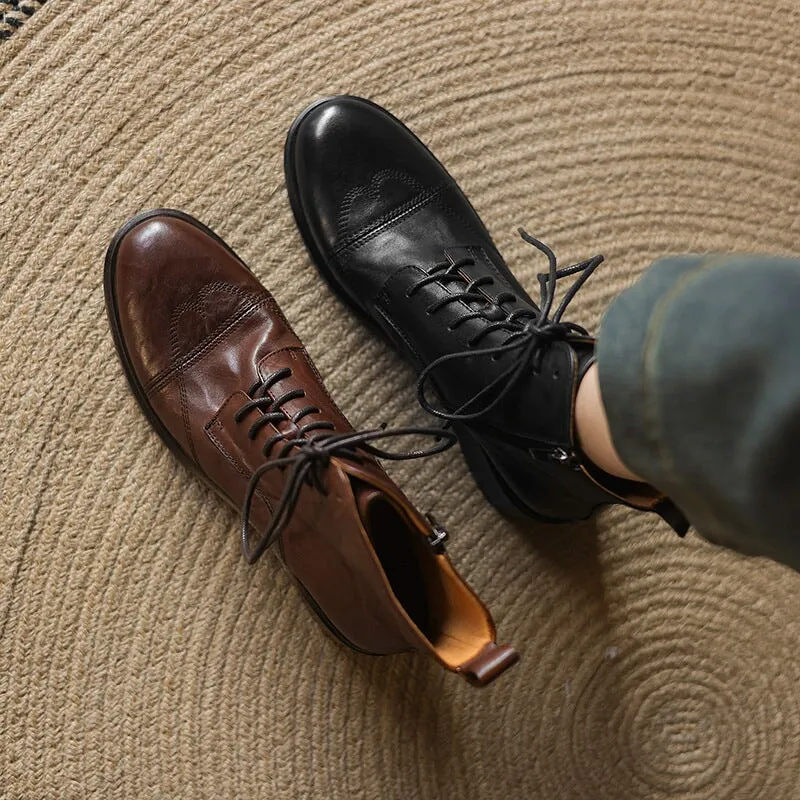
(306, 457)
(530, 331)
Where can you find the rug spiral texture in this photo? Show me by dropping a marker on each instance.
(140, 656)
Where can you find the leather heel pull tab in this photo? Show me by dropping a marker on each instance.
(673, 516)
(492, 660)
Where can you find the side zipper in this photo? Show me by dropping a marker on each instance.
(557, 455)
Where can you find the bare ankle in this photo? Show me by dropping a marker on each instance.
(593, 431)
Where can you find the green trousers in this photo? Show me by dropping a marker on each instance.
(699, 366)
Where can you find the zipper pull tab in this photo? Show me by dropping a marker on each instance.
(438, 535)
(557, 455)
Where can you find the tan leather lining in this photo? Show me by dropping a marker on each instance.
(458, 626)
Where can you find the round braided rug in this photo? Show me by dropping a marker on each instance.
(139, 655)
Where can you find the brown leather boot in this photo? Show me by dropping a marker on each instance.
(232, 392)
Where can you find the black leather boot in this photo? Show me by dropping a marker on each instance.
(397, 240)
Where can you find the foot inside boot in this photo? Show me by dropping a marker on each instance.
(427, 587)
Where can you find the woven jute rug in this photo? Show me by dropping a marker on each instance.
(139, 655)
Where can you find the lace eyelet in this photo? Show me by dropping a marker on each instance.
(556, 374)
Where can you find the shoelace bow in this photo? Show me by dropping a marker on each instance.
(529, 331)
(308, 457)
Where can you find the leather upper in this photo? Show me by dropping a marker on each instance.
(382, 211)
(196, 331)
(376, 199)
